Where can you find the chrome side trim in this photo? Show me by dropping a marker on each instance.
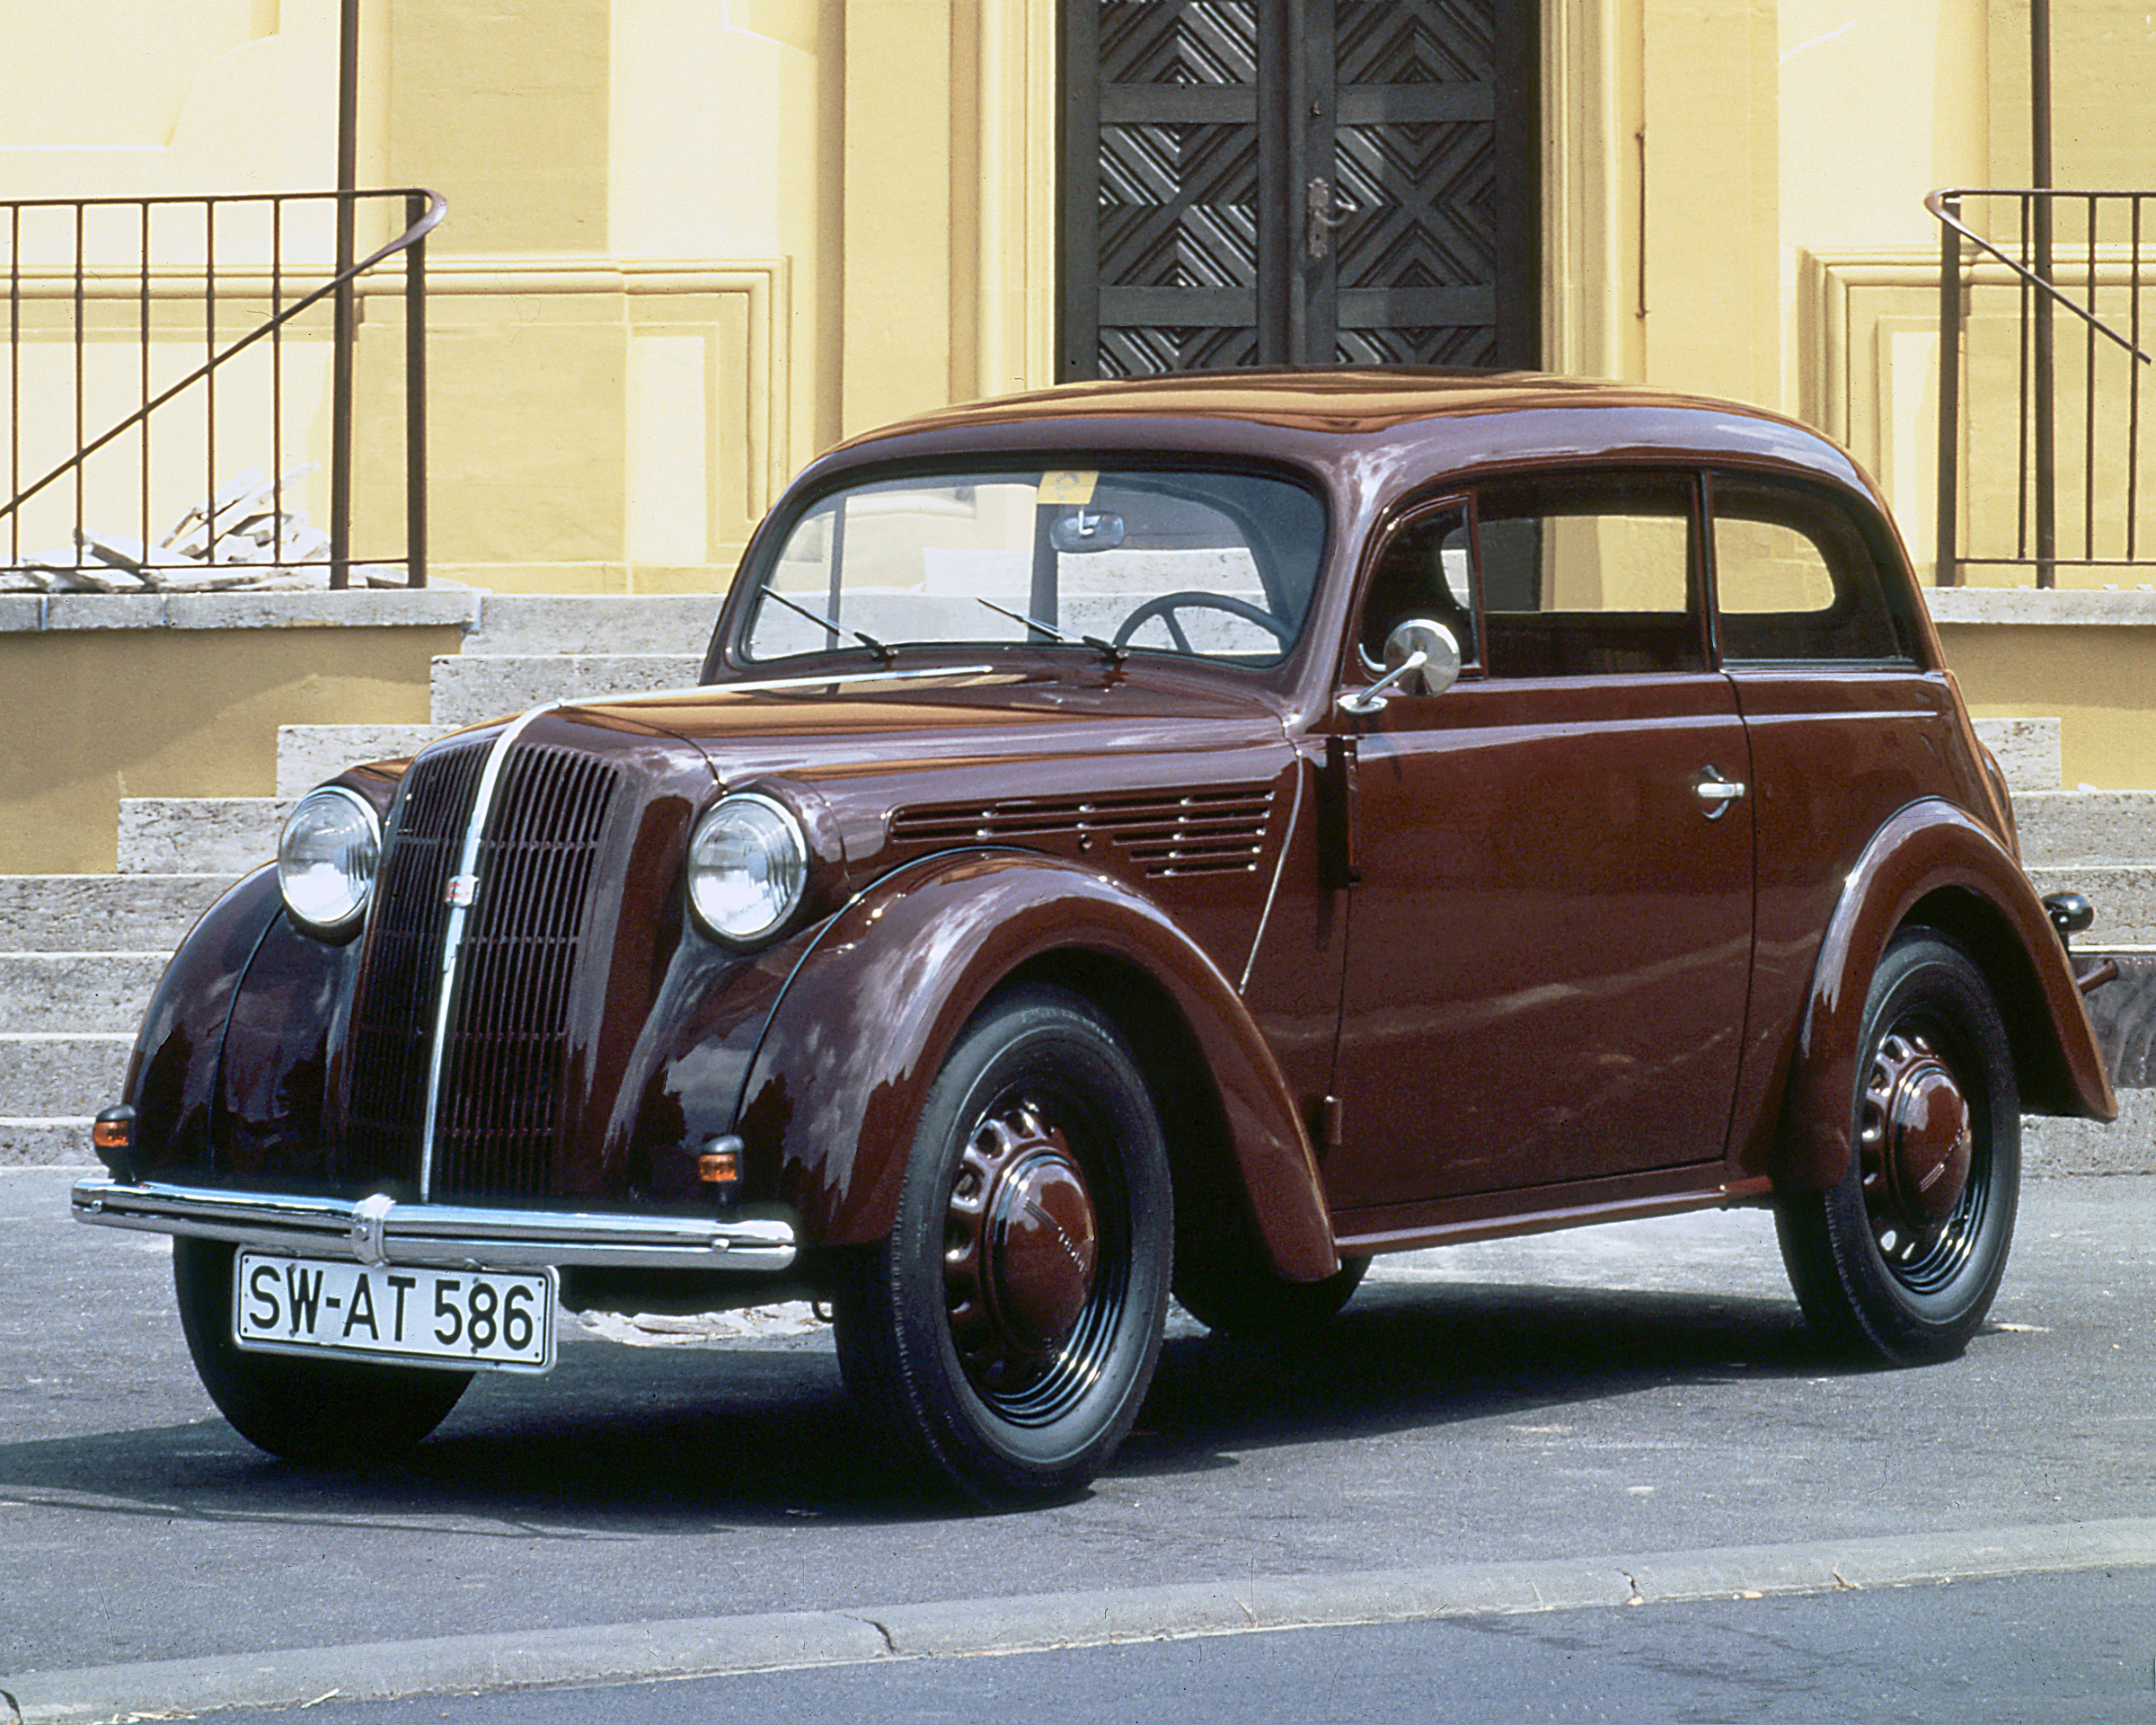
(453, 931)
(379, 1231)
(1304, 769)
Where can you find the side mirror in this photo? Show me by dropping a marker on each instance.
(1440, 650)
(1421, 657)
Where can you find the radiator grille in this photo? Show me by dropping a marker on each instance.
(393, 1015)
(503, 1092)
(1219, 830)
(504, 1086)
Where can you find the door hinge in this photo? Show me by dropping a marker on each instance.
(1339, 861)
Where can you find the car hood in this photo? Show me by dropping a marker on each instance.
(969, 718)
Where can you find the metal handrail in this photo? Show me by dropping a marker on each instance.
(1947, 206)
(2031, 275)
(424, 211)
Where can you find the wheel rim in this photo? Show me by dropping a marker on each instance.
(1034, 1266)
(1925, 1187)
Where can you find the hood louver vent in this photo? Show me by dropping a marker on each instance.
(1218, 830)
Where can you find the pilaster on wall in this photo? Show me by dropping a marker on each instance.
(1867, 345)
(1711, 278)
(949, 199)
(1592, 208)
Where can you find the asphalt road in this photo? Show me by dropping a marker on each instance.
(1485, 1433)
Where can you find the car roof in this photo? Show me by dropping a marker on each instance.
(1412, 421)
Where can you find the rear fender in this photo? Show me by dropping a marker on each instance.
(836, 1086)
(1932, 865)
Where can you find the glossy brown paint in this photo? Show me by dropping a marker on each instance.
(1932, 864)
(173, 1072)
(916, 958)
(1540, 899)
(1548, 947)
(1836, 754)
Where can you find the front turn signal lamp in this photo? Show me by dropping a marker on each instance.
(327, 856)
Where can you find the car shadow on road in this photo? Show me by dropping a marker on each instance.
(635, 1441)
(1405, 1357)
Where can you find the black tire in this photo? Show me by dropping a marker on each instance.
(1007, 1330)
(1900, 1258)
(318, 1412)
(1233, 1291)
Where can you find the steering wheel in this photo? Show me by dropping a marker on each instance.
(1167, 604)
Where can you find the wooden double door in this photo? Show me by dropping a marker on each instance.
(1256, 182)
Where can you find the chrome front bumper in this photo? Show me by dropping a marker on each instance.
(380, 1231)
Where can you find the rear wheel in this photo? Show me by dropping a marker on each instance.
(1901, 1257)
(321, 1412)
(1007, 1330)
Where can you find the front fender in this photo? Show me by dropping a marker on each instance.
(865, 1023)
(172, 1074)
(1933, 864)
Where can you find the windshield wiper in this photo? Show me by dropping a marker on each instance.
(883, 654)
(1108, 650)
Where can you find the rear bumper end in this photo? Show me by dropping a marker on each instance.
(380, 1231)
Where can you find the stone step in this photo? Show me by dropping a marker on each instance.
(469, 688)
(2125, 897)
(2052, 1147)
(103, 913)
(71, 1075)
(73, 994)
(307, 755)
(2027, 751)
(2060, 829)
(226, 836)
(40, 1141)
(561, 622)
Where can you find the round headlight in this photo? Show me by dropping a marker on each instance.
(326, 857)
(748, 866)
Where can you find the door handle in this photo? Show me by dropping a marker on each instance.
(1326, 212)
(1717, 792)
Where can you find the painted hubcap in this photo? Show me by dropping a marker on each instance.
(1021, 1246)
(1917, 1138)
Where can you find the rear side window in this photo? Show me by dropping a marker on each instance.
(1796, 578)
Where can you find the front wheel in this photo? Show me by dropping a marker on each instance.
(1900, 1258)
(320, 1412)
(1007, 1330)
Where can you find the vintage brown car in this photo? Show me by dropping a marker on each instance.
(1186, 835)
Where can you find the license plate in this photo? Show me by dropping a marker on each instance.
(473, 1320)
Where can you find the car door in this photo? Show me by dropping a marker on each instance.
(1549, 923)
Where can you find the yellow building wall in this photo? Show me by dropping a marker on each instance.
(693, 242)
(93, 715)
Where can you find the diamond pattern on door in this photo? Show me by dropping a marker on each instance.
(1302, 182)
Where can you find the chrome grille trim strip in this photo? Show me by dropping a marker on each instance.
(452, 934)
(438, 1236)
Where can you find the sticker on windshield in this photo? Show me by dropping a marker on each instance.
(1072, 485)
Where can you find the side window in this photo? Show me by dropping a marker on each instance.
(1795, 579)
(1422, 572)
(1589, 576)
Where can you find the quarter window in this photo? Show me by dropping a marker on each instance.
(1422, 572)
(1795, 577)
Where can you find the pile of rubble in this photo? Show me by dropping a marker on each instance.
(239, 539)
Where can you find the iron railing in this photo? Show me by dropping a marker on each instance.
(246, 306)
(2079, 252)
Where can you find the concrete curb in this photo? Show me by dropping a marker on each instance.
(1031, 1622)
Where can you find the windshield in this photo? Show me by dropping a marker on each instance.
(1217, 566)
